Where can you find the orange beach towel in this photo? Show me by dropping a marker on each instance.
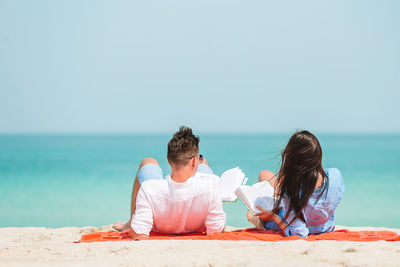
(250, 234)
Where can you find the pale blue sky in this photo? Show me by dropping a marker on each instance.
(217, 66)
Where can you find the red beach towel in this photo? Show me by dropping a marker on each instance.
(250, 234)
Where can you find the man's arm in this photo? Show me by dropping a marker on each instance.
(216, 218)
(136, 236)
(142, 220)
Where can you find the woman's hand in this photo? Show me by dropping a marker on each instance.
(266, 215)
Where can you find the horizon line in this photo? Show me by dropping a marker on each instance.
(197, 133)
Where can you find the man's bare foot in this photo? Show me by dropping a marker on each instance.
(122, 226)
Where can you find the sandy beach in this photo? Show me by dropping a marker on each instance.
(31, 246)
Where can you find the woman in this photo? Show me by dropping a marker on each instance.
(306, 194)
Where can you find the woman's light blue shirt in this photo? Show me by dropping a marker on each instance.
(318, 213)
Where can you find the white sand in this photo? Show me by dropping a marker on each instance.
(54, 247)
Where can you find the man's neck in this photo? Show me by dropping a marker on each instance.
(181, 175)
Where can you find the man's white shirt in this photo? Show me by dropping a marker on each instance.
(166, 206)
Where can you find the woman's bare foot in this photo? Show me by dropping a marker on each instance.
(122, 226)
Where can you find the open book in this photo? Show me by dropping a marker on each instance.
(229, 181)
(261, 194)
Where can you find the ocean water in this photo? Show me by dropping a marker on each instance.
(73, 180)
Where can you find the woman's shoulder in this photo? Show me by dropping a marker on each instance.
(335, 179)
(335, 176)
(334, 172)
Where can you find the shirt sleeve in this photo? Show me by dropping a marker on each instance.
(216, 218)
(142, 220)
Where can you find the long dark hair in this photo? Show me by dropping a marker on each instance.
(300, 169)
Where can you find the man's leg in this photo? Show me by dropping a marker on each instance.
(204, 167)
(121, 226)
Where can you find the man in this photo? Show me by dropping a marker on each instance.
(185, 201)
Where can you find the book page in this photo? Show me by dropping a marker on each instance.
(259, 194)
(229, 181)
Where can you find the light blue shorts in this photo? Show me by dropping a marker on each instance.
(153, 171)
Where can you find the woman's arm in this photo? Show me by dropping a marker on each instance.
(267, 215)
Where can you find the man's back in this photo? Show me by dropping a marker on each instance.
(186, 201)
(166, 206)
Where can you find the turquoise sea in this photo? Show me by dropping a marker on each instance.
(79, 180)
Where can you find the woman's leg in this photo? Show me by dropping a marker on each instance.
(269, 176)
